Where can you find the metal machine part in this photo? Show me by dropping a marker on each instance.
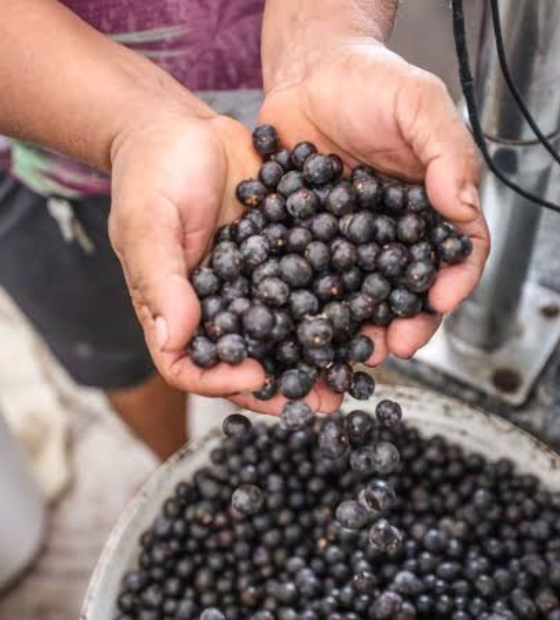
(502, 330)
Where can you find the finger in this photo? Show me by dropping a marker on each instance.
(222, 379)
(378, 335)
(455, 283)
(406, 336)
(430, 123)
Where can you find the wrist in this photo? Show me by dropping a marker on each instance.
(299, 33)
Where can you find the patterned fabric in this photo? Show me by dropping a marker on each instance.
(205, 44)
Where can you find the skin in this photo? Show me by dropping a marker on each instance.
(175, 163)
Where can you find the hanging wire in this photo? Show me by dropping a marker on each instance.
(496, 23)
(467, 85)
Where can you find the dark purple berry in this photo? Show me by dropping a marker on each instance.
(338, 314)
(362, 172)
(416, 199)
(265, 139)
(247, 499)
(283, 325)
(360, 349)
(352, 515)
(341, 200)
(231, 349)
(298, 239)
(403, 303)
(351, 279)
(302, 204)
(268, 390)
(227, 261)
(251, 192)
(376, 286)
(361, 306)
(239, 305)
(275, 234)
(367, 254)
(324, 227)
(388, 413)
(270, 174)
(318, 255)
(385, 537)
(211, 305)
(379, 496)
(224, 322)
(301, 152)
(288, 352)
(333, 441)
(291, 182)
(384, 229)
(295, 270)
(274, 207)
(273, 292)
(296, 415)
(339, 378)
(295, 384)
(302, 304)
(315, 332)
(422, 250)
(258, 322)
(269, 269)
(283, 158)
(369, 191)
(255, 251)
(358, 425)
(203, 352)
(453, 250)
(361, 227)
(205, 282)
(392, 260)
(394, 199)
(318, 169)
(411, 228)
(382, 314)
(419, 276)
(236, 425)
(320, 357)
(343, 254)
(328, 287)
(363, 386)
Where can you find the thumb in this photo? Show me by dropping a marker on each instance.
(148, 240)
(430, 124)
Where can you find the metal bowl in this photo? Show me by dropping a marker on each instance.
(430, 413)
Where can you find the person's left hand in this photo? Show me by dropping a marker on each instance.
(368, 105)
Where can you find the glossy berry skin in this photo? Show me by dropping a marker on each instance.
(388, 413)
(231, 349)
(411, 228)
(358, 425)
(324, 227)
(368, 191)
(202, 352)
(274, 207)
(273, 292)
(404, 303)
(342, 199)
(205, 282)
(236, 425)
(227, 261)
(290, 183)
(352, 515)
(385, 536)
(453, 250)
(298, 239)
(258, 322)
(265, 140)
(315, 332)
(392, 260)
(302, 304)
(282, 157)
(366, 256)
(295, 270)
(224, 322)
(379, 495)
(270, 174)
(251, 192)
(360, 349)
(254, 251)
(301, 152)
(302, 204)
(333, 441)
(247, 499)
(363, 386)
(318, 169)
(295, 384)
(296, 415)
(419, 276)
(340, 378)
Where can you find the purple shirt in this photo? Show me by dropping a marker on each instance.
(205, 44)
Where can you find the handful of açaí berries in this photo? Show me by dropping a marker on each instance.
(314, 259)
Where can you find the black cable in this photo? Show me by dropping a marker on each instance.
(496, 22)
(467, 85)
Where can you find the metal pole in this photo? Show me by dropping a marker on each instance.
(532, 39)
(502, 336)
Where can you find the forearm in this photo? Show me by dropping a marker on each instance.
(65, 86)
(296, 28)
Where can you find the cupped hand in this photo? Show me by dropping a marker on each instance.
(173, 183)
(370, 106)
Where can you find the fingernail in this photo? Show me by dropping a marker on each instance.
(469, 198)
(161, 332)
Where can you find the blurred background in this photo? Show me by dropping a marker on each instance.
(85, 462)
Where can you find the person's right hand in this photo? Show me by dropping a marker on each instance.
(174, 181)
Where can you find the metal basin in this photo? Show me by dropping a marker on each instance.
(432, 414)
